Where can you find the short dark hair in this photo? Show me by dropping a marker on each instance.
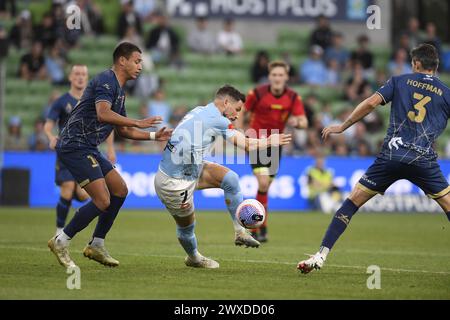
(427, 55)
(125, 49)
(230, 91)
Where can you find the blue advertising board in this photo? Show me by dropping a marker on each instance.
(289, 190)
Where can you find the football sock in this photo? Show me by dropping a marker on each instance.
(106, 219)
(187, 239)
(82, 218)
(62, 209)
(62, 239)
(233, 196)
(262, 197)
(98, 242)
(448, 215)
(324, 251)
(339, 223)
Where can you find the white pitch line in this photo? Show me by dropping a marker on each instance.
(240, 260)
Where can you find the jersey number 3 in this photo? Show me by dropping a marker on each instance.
(419, 106)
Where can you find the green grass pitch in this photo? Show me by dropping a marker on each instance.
(412, 250)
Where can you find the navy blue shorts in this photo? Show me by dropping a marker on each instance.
(62, 174)
(85, 165)
(382, 173)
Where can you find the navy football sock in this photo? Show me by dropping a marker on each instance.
(82, 218)
(106, 219)
(448, 215)
(62, 209)
(339, 223)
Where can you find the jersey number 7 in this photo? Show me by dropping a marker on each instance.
(419, 106)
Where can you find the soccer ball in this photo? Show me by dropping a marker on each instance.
(250, 214)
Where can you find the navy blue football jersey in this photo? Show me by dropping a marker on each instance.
(420, 108)
(82, 129)
(61, 108)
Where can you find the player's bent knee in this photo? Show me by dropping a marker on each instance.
(102, 202)
(230, 182)
(122, 192)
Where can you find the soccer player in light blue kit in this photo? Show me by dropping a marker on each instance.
(183, 169)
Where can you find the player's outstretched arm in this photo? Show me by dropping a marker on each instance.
(362, 110)
(162, 134)
(48, 129)
(249, 144)
(105, 114)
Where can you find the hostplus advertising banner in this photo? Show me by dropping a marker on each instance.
(298, 10)
(289, 190)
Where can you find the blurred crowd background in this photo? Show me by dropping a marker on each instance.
(183, 66)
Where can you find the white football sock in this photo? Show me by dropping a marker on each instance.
(63, 239)
(237, 227)
(98, 242)
(324, 252)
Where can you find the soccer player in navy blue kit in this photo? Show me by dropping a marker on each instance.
(100, 110)
(58, 114)
(420, 108)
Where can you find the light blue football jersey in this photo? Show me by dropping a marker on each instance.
(192, 140)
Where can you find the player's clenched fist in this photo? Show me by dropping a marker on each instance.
(279, 139)
(148, 122)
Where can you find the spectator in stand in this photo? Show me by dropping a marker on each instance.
(14, 141)
(55, 64)
(4, 14)
(38, 140)
(229, 40)
(131, 35)
(322, 35)
(91, 17)
(259, 71)
(59, 20)
(333, 74)
(400, 64)
(357, 87)
(158, 106)
(45, 31)
(432, 38)
(313, 71)
(163, 42)
(358, 142)
(363, 55)
(145, 9)
(293, 76)
(128, 18)
(414, 33)
(21, 34)
(32, 65)
(337, 51)
(201, 40)
(374, 122)
(403, 43)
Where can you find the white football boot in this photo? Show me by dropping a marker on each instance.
(201, 262)
(315, 262)
(243, 237)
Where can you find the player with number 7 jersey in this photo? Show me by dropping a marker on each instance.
(420, 108)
